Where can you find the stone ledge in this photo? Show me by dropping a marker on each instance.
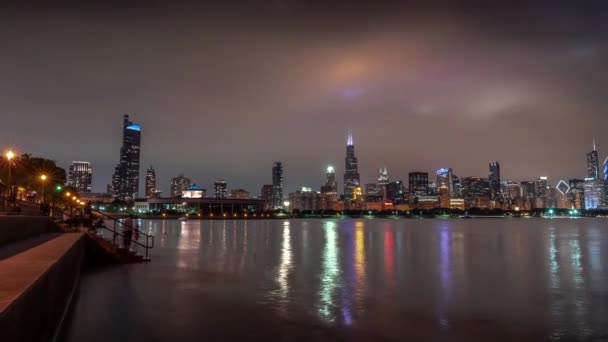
(35, 287)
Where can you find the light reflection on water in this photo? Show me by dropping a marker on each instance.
(545, 275)
(330, 272)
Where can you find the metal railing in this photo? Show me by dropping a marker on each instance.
(138, 237)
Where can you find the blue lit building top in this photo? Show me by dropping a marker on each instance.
(134, 127)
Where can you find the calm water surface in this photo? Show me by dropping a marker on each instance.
(367, 280)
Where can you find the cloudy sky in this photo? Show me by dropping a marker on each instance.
(223, 90)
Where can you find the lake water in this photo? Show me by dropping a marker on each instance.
(360, 280)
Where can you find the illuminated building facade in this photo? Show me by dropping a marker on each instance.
(266, 196)
(418, 183)
(277, 185)
(178, 185)
(305, 199)
(220, 189)
(593, 193)
(151, 182)
(194, 191)
(577, 193)
(494, 179)
(541, 187)
(239, 194)
(593, 167)
(373, 193)
(444, 179)
(395, 192)
(444, 197)
(80, 176)
(125, 180)
(331, 186)
(351, 172)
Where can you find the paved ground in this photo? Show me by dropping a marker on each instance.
(20, 271)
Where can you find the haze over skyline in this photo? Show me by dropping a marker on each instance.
(224, 90)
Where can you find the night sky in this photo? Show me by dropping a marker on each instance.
(222, 91)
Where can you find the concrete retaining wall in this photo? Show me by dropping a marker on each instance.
(42, 281)
(16, 228)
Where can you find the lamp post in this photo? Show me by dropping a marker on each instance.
(9, 156)
(43, 179)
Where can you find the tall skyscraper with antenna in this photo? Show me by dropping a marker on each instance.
(351, 171)
(593, 167)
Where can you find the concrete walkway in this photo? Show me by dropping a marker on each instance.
(36, 284)
(15, 248)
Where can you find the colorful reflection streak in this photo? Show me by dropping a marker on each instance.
(360, 265)
(285, 266)
(389, 257)
(330, 272)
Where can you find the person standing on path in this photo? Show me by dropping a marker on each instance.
(127, 231)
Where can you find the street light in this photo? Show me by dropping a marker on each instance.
(43, 179)
(9, 156)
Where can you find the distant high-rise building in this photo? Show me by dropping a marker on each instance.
(456, 187)
(179, 184)
(266, 195)
(330, 186)
(80, 176)
(351, 172)
(541, 191)
(383, 180)
(239, 194)
(444, 197)
(418, 183)
(593, 167)
(512, 190)
(593, 193)
(277, 185)
(151, 183)
(373, 193)
(444, 179)
(395, 192)
(305, 199)
(220, 189)
(473, 187)
(577, 193)
(494, 179)
(125, 181)
(528, 189)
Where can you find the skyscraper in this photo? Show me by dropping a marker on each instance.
(456, 187)
(266, 195)
(330, 186)
(577, 193)
(125, 181)
(351, 172)
(395, 192)
(220, 189)
(593, 168)
(179, 184)
(445, 179)
(277, 185)
(383, 181)
(593, 193)
(80, 176)
(419, 183)
(494, 179)
(541, 186)
(151, 182)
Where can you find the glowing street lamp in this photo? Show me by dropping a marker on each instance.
(43, 179)
(9, 156)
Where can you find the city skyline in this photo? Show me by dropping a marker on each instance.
(220, 92)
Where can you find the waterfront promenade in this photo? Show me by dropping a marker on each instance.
(39, 271)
